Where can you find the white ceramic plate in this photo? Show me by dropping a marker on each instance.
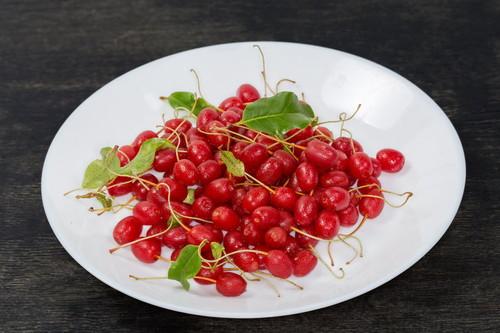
(395, 113)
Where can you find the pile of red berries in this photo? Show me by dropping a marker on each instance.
(305, 184)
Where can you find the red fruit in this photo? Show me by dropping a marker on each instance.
(203, 207)
(251, 234)
(324, 133)
(327, 225)
(147, 250)
(306, 210)
(321, 154)
(217, 136)
(143, 136)
(208, 273)
(208, 171)
(178, 125)
(225, 218)
(360, 165)
(334, 198)
(156, 229)
(247, 261)
(127, 230)
(164, 160)
(140, 189)
(126, 154)
(120, 186)
(345, 145)
(237, 200)
(270, 143)
(288, 162)
(307, 176)
(230, 284)
(284, 197)
(278, 264)
(254, 198)
(199, 152)
(349, 216)
(220, 190)
(304, 262)
(237, 148)
(334, 178)
(306, 241)
(270, 171)
(205, 116)
(342, 161)
(291, 246)
(175, 254)
(253, 156)
(230, 116)
(185, 172)
(391, 160)
(368, 181)
(287, 220)
(293, 136)
(247, 93)
(377, 168)
(371, 207)
(200, 233)
(231, 102)
(233, 241)
(177, 190)
(275, 238)
(216, 233)
(181, 209)
(265, 217)
(175, 238)
(148, 213)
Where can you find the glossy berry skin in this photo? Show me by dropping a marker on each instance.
(220, 190)
(185, 172)
(233, 241)
(143, 136)
(342, 162)
(179, 208)
(334, 198)
(285, 198)
(147, 213)
(164, 160)
(334, 178)
(147, 250)
(371, 207)
(345, 145)
(391, 160)
(304, 262)
(252, 234)
(253, 156)
(247, 93)
(306, 210)
(126, 154)
(208, 273)
(231, 102)
(306, 241)
(325, 134)
(287, 221)
(327, 225)
(288, 162)
(199, 151)
(120, 186)
(377, 168)
(178, 191)
(237, 200)
(198, 234)
(175, 238)
(303, 134)
(208, 171)
(307, 176)
(127, 230)
(178, 125)
(157, 228)
(278, 264)
(230, 284)
(216, 233)
(230, 116)
(291, 246)
(205, 116)
(217, 137)
(271, 144)
(247, 261)
(265, 217)
(349, 216)
(237, 148)
(270, 172)
(275, 238)
(360, 165)
(225, 218)
(203, 207)
(321, 154)
(366, 182)
(140, 190)
(255, 197)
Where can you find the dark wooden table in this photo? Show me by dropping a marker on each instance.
(55, 54)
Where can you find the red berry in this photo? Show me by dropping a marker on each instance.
(349, 216)
(175, 254)
(306, 210)
(284, 197)
(203, 207)
(208, 171)
(334, 178)
(147, 250)
(368, 181)
(208, 273)
(143, 136)
(269, 143)
(205, 116)
(120, 186)
(247, 261)
(306, 241)
(178, 125)
(237, 148)
(324, 134)
(287, 160)
(233, 241)
(307, 176)
(230, 116)
(265, 217)
(140, 189)
(231, 102)
(126, 154)
(127, 230)
(175, 238)
(321, 154)
(185, 172)
(230, 284)
(278, 264)
(391, 160)
(225, 218)
(156, 229)
(327, 225)
(253, 156)
(148, 213)
(164, 160)
(345, 145)
(200, 233)
(254, 198)
(295, 135)
(371, 207)
(377, 168)
(334, 198)
(287, 221)
(360, 165)
(247, 93)
(252, 234)
(304, 262)
(270, 171)
(217, 136)
(199, 152)
(275, 238)
(177, 190)
(291, 246)
(220, 190)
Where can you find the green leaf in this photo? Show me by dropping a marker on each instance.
(217, 249)
(105, 201)
(190, 196)
(143, 161)
(173, 220)
(277, 114)
(187, 265)
(233, 165)
(100, 172)
(187, 101)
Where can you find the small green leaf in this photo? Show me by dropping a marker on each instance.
(143, 161)
(173, 220)
(217, 249)
(277, 114)
(190, 196)
(187, 265)
(187, 101)
(233, 165)
(100, 172)
(105, 201)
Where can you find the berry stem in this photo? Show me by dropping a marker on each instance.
(317, 255)
(286, 280)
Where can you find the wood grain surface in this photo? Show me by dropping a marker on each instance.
(54, 54)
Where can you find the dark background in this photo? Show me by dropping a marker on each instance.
(53, 55)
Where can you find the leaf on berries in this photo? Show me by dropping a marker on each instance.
(278, 114)
(217, 250)
(234, 166)
(187, 265)
(100, 172)
(144, 159)
(185, 100)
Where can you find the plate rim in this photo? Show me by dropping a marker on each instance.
(240, 315)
